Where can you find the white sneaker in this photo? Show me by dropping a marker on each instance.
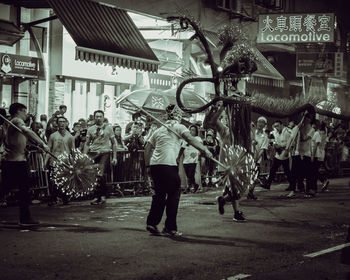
(291, 194)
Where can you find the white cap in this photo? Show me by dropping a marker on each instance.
(262, 119)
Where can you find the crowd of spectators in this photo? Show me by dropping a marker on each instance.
(139, 130)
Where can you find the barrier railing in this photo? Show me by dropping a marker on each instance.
(38, 171)
(128, 175)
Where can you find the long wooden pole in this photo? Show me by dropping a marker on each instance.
(20, 130)
(172, 130)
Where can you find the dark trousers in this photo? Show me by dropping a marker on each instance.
(308, 170)
(167, 188)
(315, 174)
(276, 163)
(190, 170)
(102, 159)
(296, 174)
(15, 175)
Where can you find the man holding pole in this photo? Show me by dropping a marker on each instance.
(161, 152)
(15, 168)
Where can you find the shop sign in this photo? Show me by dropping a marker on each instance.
(327, 64)
(296, 28)
(160, 81)
(18, 65)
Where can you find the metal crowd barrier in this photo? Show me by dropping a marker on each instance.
(38, 172)
(128, 175)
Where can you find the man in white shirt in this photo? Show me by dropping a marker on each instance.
(161, 152)
(260, 142)
(301, 154)
(280, 136)
(306, 134)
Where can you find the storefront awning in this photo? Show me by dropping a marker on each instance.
(105, 35)
(9, 33)
(169, 60)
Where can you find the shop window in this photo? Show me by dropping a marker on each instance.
(41, 35)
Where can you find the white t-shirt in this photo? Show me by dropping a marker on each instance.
(305, 146)
(191, 154)
(166, 144)
(281, 140)
(262, 143)
(322, 139)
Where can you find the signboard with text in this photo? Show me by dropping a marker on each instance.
(296, 28)
(327, 64)
(18, 65)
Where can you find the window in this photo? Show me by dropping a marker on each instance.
(41, 35)
(270, 4)
(227, 5)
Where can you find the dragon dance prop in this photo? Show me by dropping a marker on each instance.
(238, 60)
(169, 128)
(80, 179)
(74, 174)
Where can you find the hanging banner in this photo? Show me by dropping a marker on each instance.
(296, 28)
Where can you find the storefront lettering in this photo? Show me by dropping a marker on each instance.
(296, 37)
(301, 28)
(25, 64)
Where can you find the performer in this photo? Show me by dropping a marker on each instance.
(260, 144)
(99, 141)
(319, 142)
(230, 194)
(15, 168)
(280, 136)
(161, 152)
(190, 160)
(60, 142)
(300, 150)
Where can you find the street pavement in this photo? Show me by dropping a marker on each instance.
(80, 241)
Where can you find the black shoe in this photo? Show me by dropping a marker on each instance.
(238, 217)
(195, 189)
(251, 195)
(153, 230)
(221, 204)
(173, 233)
(98, 201)
(28, 222)
(265, 186)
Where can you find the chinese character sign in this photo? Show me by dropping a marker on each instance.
(326, 64)
(296, 28)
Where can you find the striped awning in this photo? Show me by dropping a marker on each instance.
(105, 35)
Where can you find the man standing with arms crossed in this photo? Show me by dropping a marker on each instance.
(99, 141)
(15, 168)
(161, 152)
